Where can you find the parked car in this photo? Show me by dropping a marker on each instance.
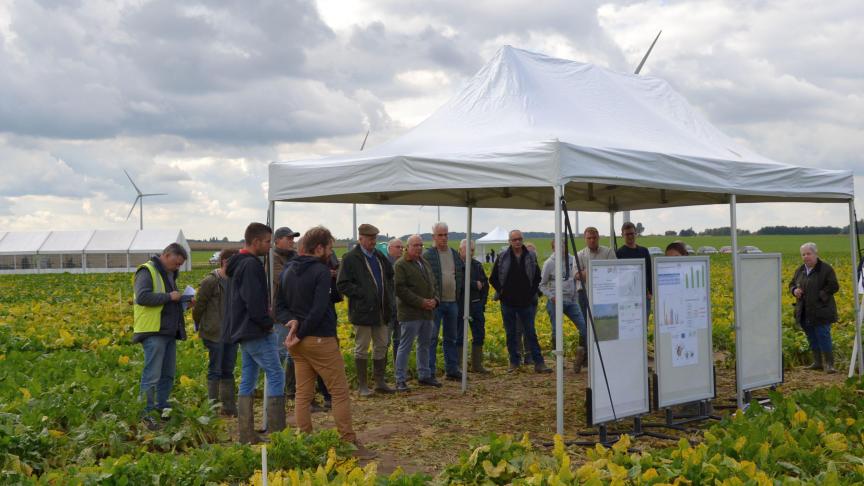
(653, 250)
(214, 259)
(750, 249)
(726, 249)
(706, 250)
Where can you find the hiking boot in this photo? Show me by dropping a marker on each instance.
(151, 423)
(430, 381)
(542, 368)
(514, 368)
(577, 360)
(829, 363)
(228, 397)
(362, 373)
(379, 367)
(402, 387)
(453, 376)
(362, 452)
(817, 361)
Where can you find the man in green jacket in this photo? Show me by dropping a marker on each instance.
(418, 298)
(366, 278)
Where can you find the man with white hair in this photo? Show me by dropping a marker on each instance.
(479, 293)
(448, 271)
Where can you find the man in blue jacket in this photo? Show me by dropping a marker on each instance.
(248, 322)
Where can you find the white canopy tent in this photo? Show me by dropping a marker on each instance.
(497, 236)
(529, 128)
(83, 251)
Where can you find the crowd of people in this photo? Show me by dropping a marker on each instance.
(404, 300)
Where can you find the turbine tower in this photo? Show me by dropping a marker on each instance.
(139, 201)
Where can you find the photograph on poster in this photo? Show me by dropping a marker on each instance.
(606, 321)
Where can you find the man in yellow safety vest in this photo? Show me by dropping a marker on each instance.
(158, 324)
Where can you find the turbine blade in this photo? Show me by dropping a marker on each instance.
(155, 194)
(645, 58)
(133, 182)
(133, 207)
(363, 145)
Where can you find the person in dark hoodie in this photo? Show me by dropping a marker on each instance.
(158, 324)
(208, 314)
(248, 322)
(307, 304)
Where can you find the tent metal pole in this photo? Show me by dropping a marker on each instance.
(559, 317)
(353, 227)
(466, 310)
(854, 247)
(733, 231)
(271, 222)
(612, 230)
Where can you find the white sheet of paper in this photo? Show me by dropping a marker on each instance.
(682, 297)
(685, 348)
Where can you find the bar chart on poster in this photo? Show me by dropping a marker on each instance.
(683, 356)
(618, 299)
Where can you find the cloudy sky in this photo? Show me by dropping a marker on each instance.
(195, 99)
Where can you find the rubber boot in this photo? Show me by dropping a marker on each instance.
(817, 361)
(459, 351)
(275, 414)
(829, 363)
(379, 366)
(290, 380)
(477, 360)
(577, 360)
(246, 421)
(362, 372)
(213, 390)
(227, 395)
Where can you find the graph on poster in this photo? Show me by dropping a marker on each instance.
(682, 302)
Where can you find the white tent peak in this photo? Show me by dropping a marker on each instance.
(497, 235)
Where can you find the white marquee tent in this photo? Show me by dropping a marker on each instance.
(83, 251)
(529, 128)
(496, 237)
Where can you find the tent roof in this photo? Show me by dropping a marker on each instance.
(155, 240)
(110, 241)
(22, 242)
(67, 241)
(497, 235)
(526, 122)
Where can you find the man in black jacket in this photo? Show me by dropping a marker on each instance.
(516, 278)
(248, 322)
(307, 304)
(366, 278)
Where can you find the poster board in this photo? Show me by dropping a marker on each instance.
(617, 296)
(683, 349)
(760, 355)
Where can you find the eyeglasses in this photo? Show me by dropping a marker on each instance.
(515, 239)
(441, 234)
(630, 233)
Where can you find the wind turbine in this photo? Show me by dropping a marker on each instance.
(139, 201)
(638, 70)
(354, 206)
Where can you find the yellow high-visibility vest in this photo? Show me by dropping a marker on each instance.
(148, 318)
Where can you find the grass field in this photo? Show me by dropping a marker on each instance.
(788, 245)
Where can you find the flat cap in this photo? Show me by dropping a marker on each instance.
(285, 231)
(366, 229)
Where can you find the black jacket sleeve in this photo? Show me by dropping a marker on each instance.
(254, 293)
(320, 303)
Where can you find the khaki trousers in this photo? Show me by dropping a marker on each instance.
(320, 356)
(378, 335)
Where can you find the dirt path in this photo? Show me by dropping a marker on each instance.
(427, 428)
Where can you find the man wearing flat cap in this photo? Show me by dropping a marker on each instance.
(366, 278)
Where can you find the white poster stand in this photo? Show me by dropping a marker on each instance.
(617, 298)
(760, 355)
(683, 348)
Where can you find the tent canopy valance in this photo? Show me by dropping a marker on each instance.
(527, 122)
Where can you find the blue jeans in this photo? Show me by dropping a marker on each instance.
(571, 310)
(222, 358)
(819, 337)
(477, 325)
(257, 354)
(281, 334)
(422, 330)
(511, 317)
(446, 315)
(160, 366)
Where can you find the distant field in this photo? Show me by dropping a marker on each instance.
(788, 245)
